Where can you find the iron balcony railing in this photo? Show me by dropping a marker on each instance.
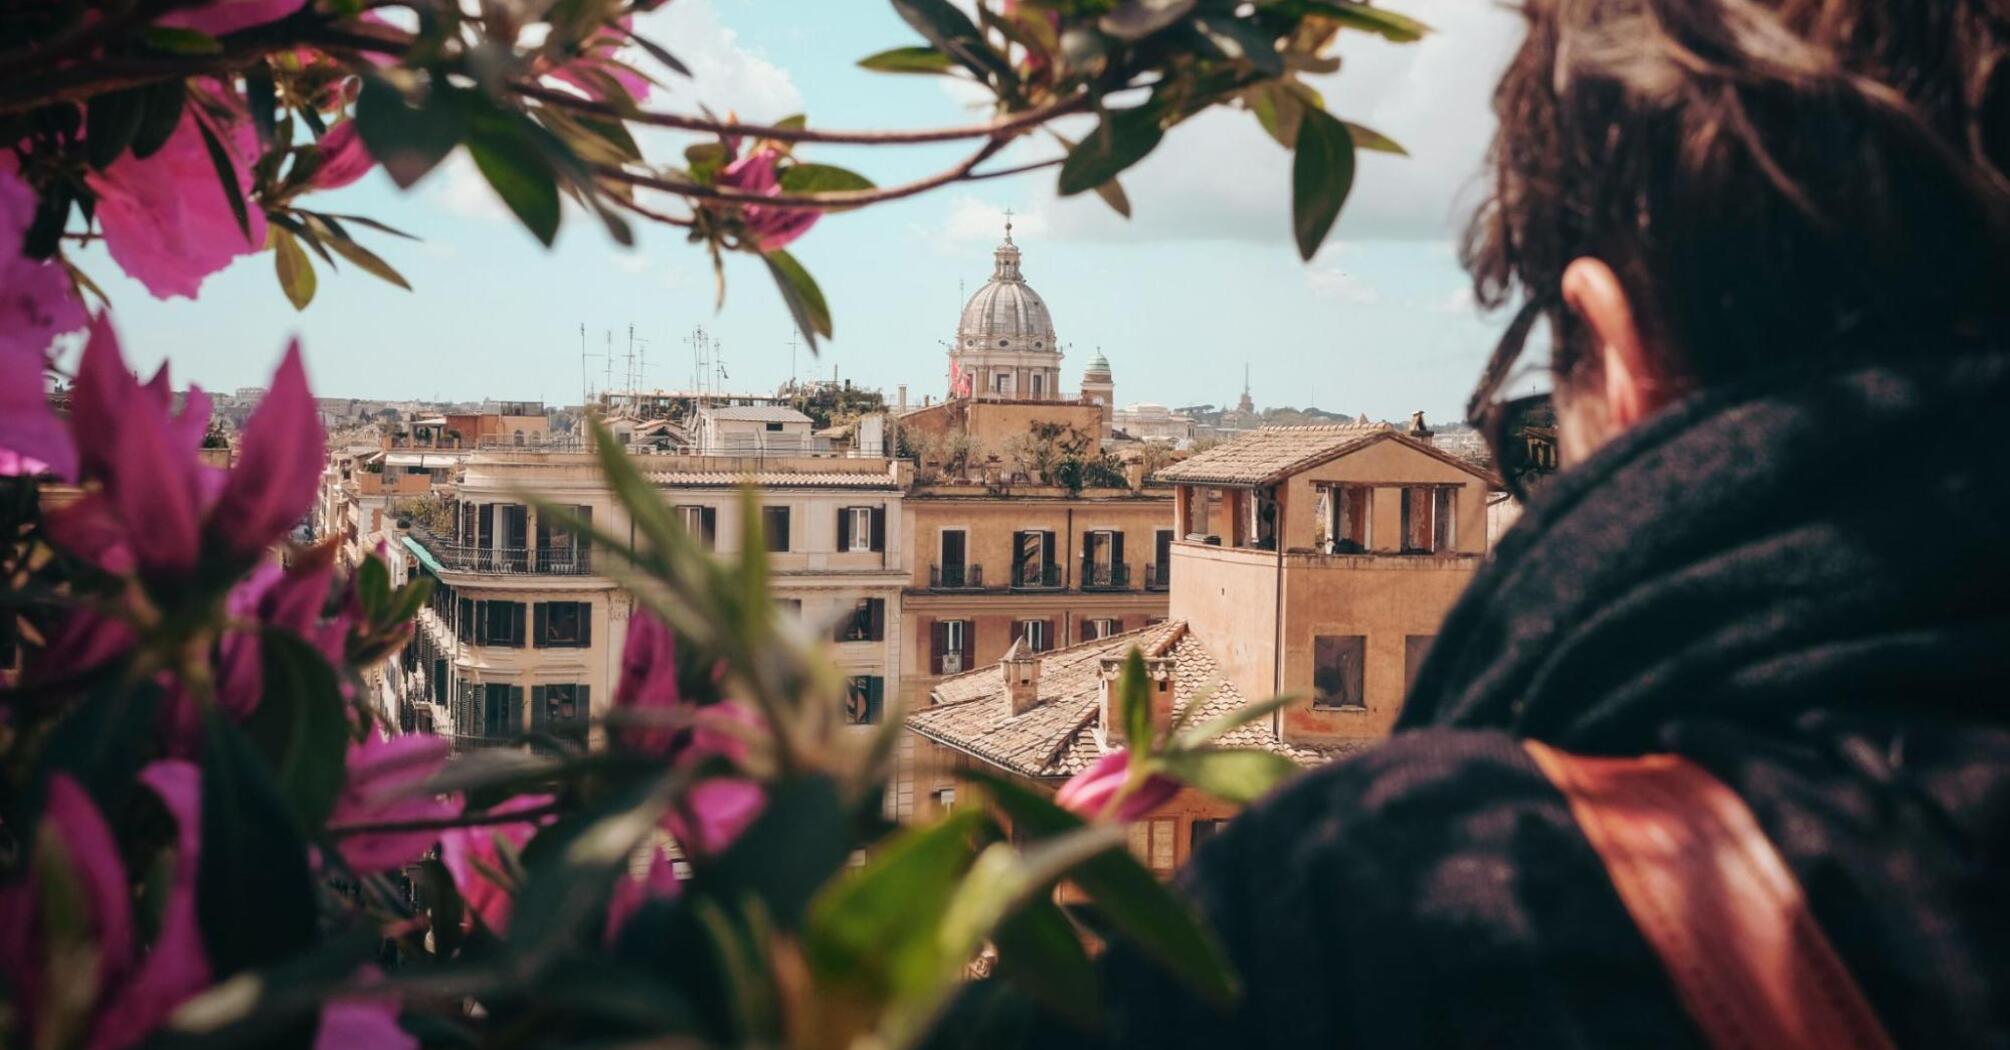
(1033, 576)
(1113, 577)
(956, 577)
(1158, 577)
(562, 560)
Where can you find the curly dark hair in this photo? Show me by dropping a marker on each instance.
(1769, 178)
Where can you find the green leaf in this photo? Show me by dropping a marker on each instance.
(1136, 903)
(226, 177)
(1123, 138)
(952, 31)
(705, 160)
(368, 261)
(1242, 41)
(1369, 138)
(515, 167)
(1322, 174)
(1278, 109)
(163, 115)
(373, 588)
(180, 41)
(301, 726)
(296, 272)
(1400, 29)
(876, 926)
(1214, 729)
(1134, 702)
(800, 292)
(570, 865)
(1240, 776)
(656, 51)
(1113, 195)
(821, 178)
(1137, 19)
(408, 141)
(111, 121)
(907, 60)
(254, 894)
(1040, 950)
(788, 853)
(794, 122)
(262, 98)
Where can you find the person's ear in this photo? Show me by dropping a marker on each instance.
(1631, 388)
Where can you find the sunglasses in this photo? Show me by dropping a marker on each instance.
(1499, 419)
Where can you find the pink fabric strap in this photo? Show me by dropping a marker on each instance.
(1716, 901)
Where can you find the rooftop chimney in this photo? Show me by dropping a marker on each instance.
(900, 398)
(1158, 690)
(1022, 677)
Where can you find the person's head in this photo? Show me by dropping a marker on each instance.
(1692, 191)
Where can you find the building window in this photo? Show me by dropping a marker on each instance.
(1428, 517)
(774, 428)
(1098, 628)
(1348, 528)
(1337, 670)
(562, 625)
(501, 710)
(702, 523)
(1039, 384)
(1033, 559)
(867, 622)
(1201, 831)
(560, 710)
(1415, 648)
(949, 647)
(1037, 635)
(493, 623)
(861, 529)
(791, 606)
(864, 697)
(775, 527)
(1153, 843)
(945, 798)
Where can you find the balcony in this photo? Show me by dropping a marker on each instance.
(1112, 577)
(1032, 576)
(1158, 577)
(559, 560)
(956, 577)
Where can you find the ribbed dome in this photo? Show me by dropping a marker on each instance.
(1098, 366)
(1006, 314)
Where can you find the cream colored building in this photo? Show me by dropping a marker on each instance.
(525, 629)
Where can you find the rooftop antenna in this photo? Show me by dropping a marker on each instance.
(792, 358)
(1008, 226)
(607, 363)
(585, 380)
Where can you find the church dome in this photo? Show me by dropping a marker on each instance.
(1099, 366)
(1006, 314)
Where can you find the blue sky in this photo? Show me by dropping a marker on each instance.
(1201, 281)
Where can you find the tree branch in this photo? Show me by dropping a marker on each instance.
(834, 201)
(1007, 126)
(465, 820)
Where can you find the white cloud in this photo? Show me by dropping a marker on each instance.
(725, 76)
(973, 220)
(1331, 282)
(460, 188)
(1219, 176)
(630, 261)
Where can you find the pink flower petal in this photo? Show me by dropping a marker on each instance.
(36, 304)
(366, 1024)
(167, 221)
(382, 777)
(659, 882)
(273, 484)
(218, 17)
(648, 680)
(715, 812)
(176, 967)
(465, 851)
(1088, 793)
(92, 859)
(343, 158)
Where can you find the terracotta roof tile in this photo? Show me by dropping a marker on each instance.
(1060, 737)
(774, 479)
(1271, 452)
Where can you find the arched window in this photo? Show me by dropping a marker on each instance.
(519, 437)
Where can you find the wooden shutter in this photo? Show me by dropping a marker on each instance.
(464, 625)
(1117, 558)
(540, 622)
(1116, 625)
(585, 624)
(879, 529)
(877, 613)
(1018, 558)
(543, 535)
(844, 528)
(516, 709)
(485, 525)
(579, 540)
(935, 635)
(709, 525)
(537, 711)
(582, 704)
(1047, 550)
(1047, 635)
(518, 616)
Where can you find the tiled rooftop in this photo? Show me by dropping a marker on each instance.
(1273, 452)
(1060, 737)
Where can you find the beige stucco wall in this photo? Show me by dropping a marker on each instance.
(1387, 465)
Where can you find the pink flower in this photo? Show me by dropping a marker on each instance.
(658, 882)
(132, 995)
(383, 786)
(343, 158)
(362, 1024)
(36, 304)
(648, 681)
(714, 812)
(600, 53)
(768, 227)
(218, 17)
(167, 220)
(157, 511)
(1088, 793)
(474, 856)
